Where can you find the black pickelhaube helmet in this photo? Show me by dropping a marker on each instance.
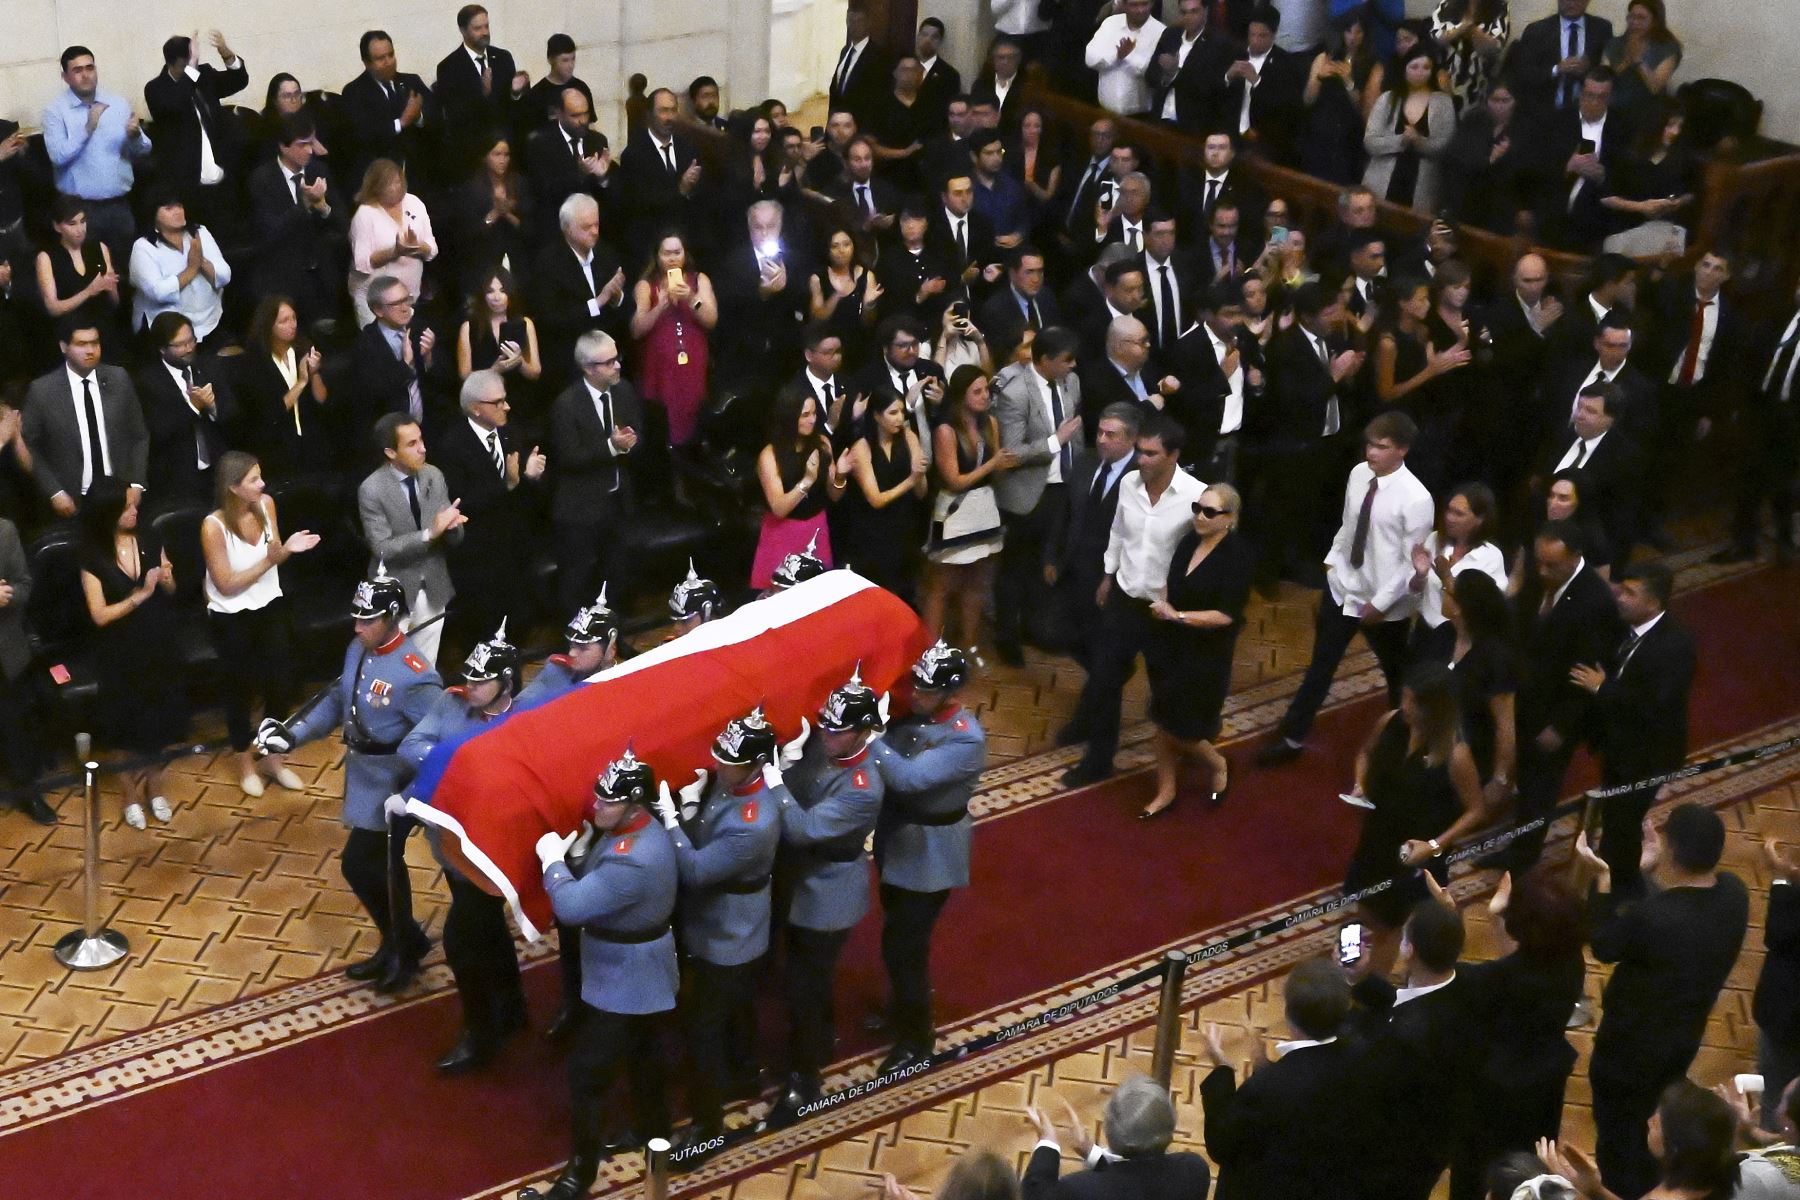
(799, 566)
(378, 596)
(851, 706)
(593, 625)
(745, 740)
(942, 668)
(625, 781)
(695, 597)
(495, 658)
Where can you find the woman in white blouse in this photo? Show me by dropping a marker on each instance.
(389, 235)
(177, 267)
(1461, 542)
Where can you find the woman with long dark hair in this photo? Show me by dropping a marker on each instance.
(1658, 179)
(846, 296)
(1409, 129)
(799, 478)
(1462, 541)
(489, 214)
(673, 323)
(966, 533)
(280, 382)
(883, 512)
(1334, 94)
(1567, 499)
(1643, 57)
(129, 587)
(247, 612)
(1478, 645)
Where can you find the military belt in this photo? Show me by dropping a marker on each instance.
(905, 817)
(624, 937)
(733, 887)
(362, 746)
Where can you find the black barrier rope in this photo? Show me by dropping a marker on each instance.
(690, 1156)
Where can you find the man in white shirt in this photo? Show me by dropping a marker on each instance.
(196, 145)
(1368, 573)
(1121, 50)
(1156, 507)
(1185, 73)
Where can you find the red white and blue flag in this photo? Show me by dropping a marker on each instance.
(500, 790)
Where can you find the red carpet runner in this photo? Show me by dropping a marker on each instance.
(269, 1110)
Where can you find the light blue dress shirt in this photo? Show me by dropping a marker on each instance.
(97, 165)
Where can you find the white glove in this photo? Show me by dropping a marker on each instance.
(881, 707)
(552, 847)
(772, 776)
(272, 737)
(664, 807)
(394, 806)
(790, 753)
(692, 794)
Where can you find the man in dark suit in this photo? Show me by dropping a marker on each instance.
(864, 73)
(1550, 57)
(1610, 287)
(1122, 295)
(896, 371)
(917, 278)
(1673, 951)
(197, 144)
(1282, 1133)
(1311, 386)
(763, 296)
(948, 151)
(1219, 365)
(1121, 374)
(1582, 149)
(594, 427)
(871, 202)
(473, 90)
(301, 223)
(1075, 543)
(1419, 1077)
(941, 81)
(1072, 208)
(1567, 617)
(1776, 1003)
(1137, 1165)
(190, 416)
(1221, 179)
(1172, 278)
(20, 750)
(1522, 323)
(564, 157)
(395, 367)
(1694, 353)
(963, 237)
(1594, 443)
(1187, 72)
(1228, 252)
(577, 285)
(1640, 709)
(83, 421)
(999, 83)
(1261, 101)
(1022, 303)
(660, 175)
(1607, 361)
(490, 476)
(1767, 442)
(392, 114)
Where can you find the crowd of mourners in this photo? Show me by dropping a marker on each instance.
(446, 336)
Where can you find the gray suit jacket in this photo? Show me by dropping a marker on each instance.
(414, 559)
(1025, 429)
(54, 434)
(15, 649)
(1384, 147)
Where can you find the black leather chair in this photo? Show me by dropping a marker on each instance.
(61, 632)
(1717, 110)
(179, 531)
(319, 583)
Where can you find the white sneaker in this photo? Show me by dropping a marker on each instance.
(134, 816)
(251, 784)
(159, 808)
(287, 779)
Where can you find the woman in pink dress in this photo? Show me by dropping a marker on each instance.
(799, 477)
(674, 316)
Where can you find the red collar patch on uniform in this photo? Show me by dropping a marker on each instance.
(636, 823)
(623, 845)
(860, 778)
(749, 787)
(416, 663)
(748, 813)
(962, 724)
(392, 644)
(457, 690)
(561, 660)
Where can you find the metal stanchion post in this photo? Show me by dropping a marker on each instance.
(1168, 1017)
(656, 1169)
(93, 946)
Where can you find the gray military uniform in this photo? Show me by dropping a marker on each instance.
(623, 903)
(725, 856)
(930, 770)
(554, 680)
(378, 699)
(835, 806)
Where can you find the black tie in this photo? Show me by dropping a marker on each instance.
(96, 454)
(1774, 382)
(867, 205)
(1581, 456)
(1082, 200)
(825, 403)
(1625, 649)
(299, 181)
(1098, 495)
(1065, 457)
(480, 63)
(412, 502)
(668, 153)
(1167, 334)
(493, 439)
(1567, 92)
(962, 239)
(906, 380)
(1032, 320)
(1212, 193)
(843, 71)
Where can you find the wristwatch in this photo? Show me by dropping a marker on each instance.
(1435, 848)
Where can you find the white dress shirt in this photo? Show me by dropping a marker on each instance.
(1183, 48)
(1283, 1049)
(1122, 86)
(155, 271)
(1250, 85)
(1232, 419)
(1783, 388)
(1053, 471)
(1153, 272)
(1413, 993)
(1709, 329)
(1593, 131)
(1557, 595)
(1401, 518)
(1131, 233)
(81, 427)
(1144, 534)
(1017, 17)
(1581, 451)
(489, 439)
(1486, 558)
(210, 170)
(846, 66)
(1637, 639)
(608, 419)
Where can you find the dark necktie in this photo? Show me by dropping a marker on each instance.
(1776, 380)
(202, 459)
(1032, 320)
(1359, 541)
(96, 453)
(480, 63)
(1358, 306)
(905, 380)
(1690, 362)
(862, 200)
(298, 180)
(1581, 455)
(668, 153)
(415, 400)
(493, 441)
(1065, 457)
(1166, 335)
(575, 146)
(1131, 238)
(1212, 194)
(1570, 83)
(825, 396)
(1098, 495)
(1333, 414)
(1625, 648)
(843, 71)
(1083, 202)
(962, 239)
(412, 502)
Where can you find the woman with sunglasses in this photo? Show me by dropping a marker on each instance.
(1189, 658)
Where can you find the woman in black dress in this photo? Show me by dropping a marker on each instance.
(1520, 1005)
(881, 518)
(498, 337)
(130, 592)
(1567, 500)
(489, 217)
(1189, 658)
(845, 297)
(1476, 644)
(78, 280)
(1335, 88)
(281, 386)
(1407, 375)
(1418, 778)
